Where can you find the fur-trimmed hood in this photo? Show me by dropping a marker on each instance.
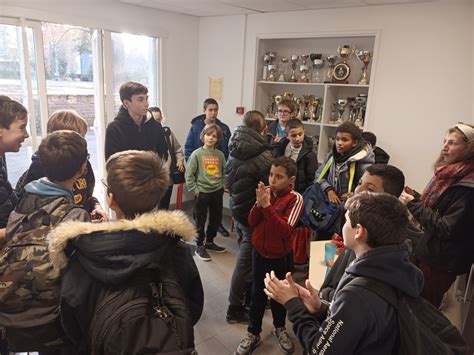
(111, 249)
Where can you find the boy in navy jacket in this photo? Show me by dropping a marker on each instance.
(273, 218)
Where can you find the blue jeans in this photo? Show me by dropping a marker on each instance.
(242, 275)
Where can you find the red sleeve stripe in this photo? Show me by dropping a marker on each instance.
(296, 210)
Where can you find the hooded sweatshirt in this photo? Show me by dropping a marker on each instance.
(83, 187)
(111, 253)
(358, 320)
(124, 134)
(193, 140)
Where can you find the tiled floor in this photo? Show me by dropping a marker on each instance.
(213, 335)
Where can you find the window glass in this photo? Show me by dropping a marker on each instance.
(134, 59)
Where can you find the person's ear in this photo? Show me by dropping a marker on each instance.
(112, 203)
(361, 234)
(82, 170)
(355, 143)
(126, 103)
(292, 181)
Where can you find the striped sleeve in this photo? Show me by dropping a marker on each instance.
(296, 210)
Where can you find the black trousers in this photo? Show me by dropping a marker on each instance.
(211, 201)
(165, 200)
(260, 266)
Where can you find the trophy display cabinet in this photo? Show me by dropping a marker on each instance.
(328, 78)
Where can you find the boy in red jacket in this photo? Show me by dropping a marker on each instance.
(273, 218)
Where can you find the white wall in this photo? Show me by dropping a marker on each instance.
(179, 35)
(423, 78)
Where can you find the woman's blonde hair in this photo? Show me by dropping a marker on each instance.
(466, 155)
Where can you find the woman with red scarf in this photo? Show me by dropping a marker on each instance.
(445, 211)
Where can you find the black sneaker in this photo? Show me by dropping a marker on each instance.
(214, 247)
(237, 315)
(222, 231)
(202, 253)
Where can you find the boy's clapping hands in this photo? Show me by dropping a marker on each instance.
(284, 290)
(262, 195)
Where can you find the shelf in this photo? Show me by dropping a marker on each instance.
(263, 82)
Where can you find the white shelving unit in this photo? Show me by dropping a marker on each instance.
(328, 93)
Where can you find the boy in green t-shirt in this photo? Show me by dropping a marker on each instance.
(205, 178)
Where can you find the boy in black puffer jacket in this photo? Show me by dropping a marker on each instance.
(249, 162)
(139, 262)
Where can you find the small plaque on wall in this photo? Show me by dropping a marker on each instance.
(215, 88)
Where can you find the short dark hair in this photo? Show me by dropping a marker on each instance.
(288, 103)
(209, 128)
(383, 215)
(137, 179)
(370, 137)
(62, 154)
(209, 101)
(254, 120)
(392, 178)
(11, 110)
(154, 109)
(351, 128)
(130, 88)
(287, 163)
(294, 123)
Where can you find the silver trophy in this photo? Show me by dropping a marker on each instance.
(271, 67)
(294, 59)
(304, 69)
(283, 69)
(340, 106)
(331, 59)
(364, 57)
(318, 64)
(266, 61)
(361, 101)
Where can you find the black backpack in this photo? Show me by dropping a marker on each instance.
(422, 327)
(148, 315)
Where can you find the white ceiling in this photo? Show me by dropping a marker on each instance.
(239, 7)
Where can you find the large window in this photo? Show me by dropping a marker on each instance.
(134, 59)
(13, 84)
(53, 66)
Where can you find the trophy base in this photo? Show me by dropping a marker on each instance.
(363, 82)
(292, 80)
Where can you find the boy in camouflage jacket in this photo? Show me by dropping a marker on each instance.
(29, 285)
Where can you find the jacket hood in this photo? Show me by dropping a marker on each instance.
(111, 251)
(200, 119)
(362, 153)
(124, 116)
(44, 187)
(246, 143)
(390, 264)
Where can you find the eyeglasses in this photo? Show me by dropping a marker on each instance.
(105, 185)
(285, 112)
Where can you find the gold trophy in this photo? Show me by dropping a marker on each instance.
(342, 70)
(364, 57)
(314, 110)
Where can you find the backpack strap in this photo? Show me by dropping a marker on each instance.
(381, 289)
(171, 154)
(325, 169)
(352, 169)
